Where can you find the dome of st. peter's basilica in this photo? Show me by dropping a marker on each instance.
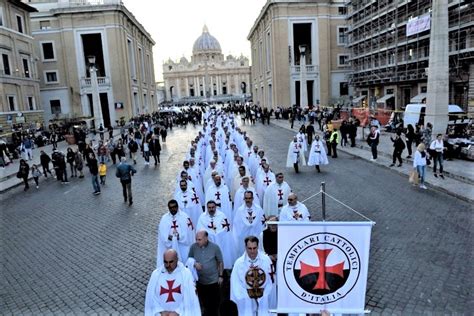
(206, 43)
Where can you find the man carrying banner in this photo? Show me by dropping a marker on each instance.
(251, 280)
(294, 210)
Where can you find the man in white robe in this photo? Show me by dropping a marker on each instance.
(239, 195)
(275, 196)
(254, 162)
(210, 169)
(237, 181)
(264, 178)
(301, 139)
(294, 210)
(295, 155)
(219, 193)
(218, 228)
(317, 154)
(188, 202)
(175, 231)
(171, 289)
(248, 220)
(253, 265)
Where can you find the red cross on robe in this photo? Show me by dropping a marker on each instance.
(170, 290)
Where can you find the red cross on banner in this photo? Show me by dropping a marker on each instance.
(170, 290)
(322, 269)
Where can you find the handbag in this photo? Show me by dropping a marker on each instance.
(428, 161)
(19, 175)
(413, 178)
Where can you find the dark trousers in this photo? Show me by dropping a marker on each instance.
(157, 158)
(295, 165)
(310, 140)
(334, 150)
(397, 154)
(25, 181)
(127, 190)
(409, 143)
(353, 140)
(373, 148)
(45, 170)
(328, 145)
(209, 296)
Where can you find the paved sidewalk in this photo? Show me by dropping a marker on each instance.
(8, 179)
(459, 174)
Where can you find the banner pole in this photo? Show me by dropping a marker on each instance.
(323, 200)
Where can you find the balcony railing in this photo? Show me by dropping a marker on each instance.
(102, 81)
(309, 69)
(76, 3)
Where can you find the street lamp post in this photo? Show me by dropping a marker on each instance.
(303, 87)
(98, 118)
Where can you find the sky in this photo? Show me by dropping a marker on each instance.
(175, 24)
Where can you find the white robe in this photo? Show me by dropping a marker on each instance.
(247, 222)
(299, 212)
(254, 164)
(262, 182)
(301, 138)
(189, 203)
(220, 232)
(276, 195)
(237, 182)
(173, 291)
(220, 195)
(173, 225)
(295, 155)
(317, 154)
(239, 197)
(238, 285)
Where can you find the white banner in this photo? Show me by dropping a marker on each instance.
(418, 24)
(322, 265)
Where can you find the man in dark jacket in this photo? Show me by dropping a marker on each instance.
(155, 148)
(309, 134)
(94, 170)
(45, 160)
(398, 147)
(133, 148)
(125, 172)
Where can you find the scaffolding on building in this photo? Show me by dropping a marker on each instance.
(382, 53)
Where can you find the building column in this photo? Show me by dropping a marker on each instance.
(187, 87)
(438, 72)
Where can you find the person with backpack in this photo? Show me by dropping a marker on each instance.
(398, 147)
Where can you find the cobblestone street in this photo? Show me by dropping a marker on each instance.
(65, 250)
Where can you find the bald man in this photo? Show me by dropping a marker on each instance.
(171, 290)
(210, 269)
(294, 210)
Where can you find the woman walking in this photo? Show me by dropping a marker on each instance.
(70, 157)
(23, 172)
(419, 163)
(410, 138)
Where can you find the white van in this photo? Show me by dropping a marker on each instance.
(415, 113)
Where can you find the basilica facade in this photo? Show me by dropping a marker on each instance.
(208, 76)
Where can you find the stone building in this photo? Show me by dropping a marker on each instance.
(19, 84)
(390, 43)
(208, 76)
(67, 33)
(286, 30)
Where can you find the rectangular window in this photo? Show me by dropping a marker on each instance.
(31, 103)
(6, 64)
(131, 58)
(55, 106)
(142, 65)
(342, 60)
(11, 103)
(26, 68)
(342, 10)
(424, 89)
(19, 21)
(48, 51)
(51, 76)
(1, 16)
(341, 35)
(44, 25)
(268, 51)
(343, 88)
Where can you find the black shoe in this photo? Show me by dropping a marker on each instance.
(130, 203)
(391, 165)
(442, 177)
(435, 175)
(124, 200)
(399, 165)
